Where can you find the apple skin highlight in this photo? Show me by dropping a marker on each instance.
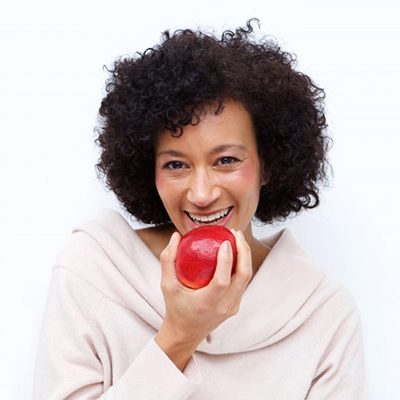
(197, 254)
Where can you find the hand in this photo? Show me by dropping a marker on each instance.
(191, 314)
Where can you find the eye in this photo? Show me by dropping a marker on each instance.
(228, 160)
(172, 165)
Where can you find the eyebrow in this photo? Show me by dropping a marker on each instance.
(215, 150)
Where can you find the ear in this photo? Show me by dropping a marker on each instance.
(265, 175)
(264, 181)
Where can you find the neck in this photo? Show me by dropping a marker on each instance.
(259, 250)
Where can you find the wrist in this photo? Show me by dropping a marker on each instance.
(180, 338)
(177, 349)
(174, 337)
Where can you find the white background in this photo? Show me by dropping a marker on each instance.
(51, 85)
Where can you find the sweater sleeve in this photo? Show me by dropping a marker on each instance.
(341, 372)
(68, 361)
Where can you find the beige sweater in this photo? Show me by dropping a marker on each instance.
(297, 334)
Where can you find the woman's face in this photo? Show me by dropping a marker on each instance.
(210, 170)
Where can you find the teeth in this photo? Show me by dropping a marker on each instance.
(209, 218)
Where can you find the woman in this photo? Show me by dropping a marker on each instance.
(199, 131)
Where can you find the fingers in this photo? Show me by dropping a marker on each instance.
(244, 265)
(222, 283)
(228, 290)
(222, 275)
(167, 259)
(244, 269)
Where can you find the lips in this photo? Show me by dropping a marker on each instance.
(211, 217)
(216, 218)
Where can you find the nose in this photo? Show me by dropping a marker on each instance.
(202, 190)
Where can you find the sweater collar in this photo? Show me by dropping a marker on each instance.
(275, 303)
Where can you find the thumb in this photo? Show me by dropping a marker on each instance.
(222, 275)
(168, 258)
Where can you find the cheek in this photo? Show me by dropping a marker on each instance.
(247, 176)
(167, 188)
(250, 173)
(161, 184)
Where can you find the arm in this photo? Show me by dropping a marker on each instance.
(177, 349)
(71, 353)
(341, 372)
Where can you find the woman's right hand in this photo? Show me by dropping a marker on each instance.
(191, 314)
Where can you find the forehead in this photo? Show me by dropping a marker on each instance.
(233, 126)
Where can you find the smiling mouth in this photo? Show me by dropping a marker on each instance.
(203, 221)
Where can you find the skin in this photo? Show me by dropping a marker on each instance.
(201, 181)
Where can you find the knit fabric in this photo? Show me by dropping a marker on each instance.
(296, 336)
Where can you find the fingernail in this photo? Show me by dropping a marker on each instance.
(225, 246)
(174, 237)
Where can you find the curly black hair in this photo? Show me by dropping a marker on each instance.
(168, 86)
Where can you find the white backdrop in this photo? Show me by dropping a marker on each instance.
(51, 85)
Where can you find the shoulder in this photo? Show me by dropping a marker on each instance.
(98, 244)
(336, 312)
(107, 252)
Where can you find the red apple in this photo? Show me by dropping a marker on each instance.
(197, 253)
